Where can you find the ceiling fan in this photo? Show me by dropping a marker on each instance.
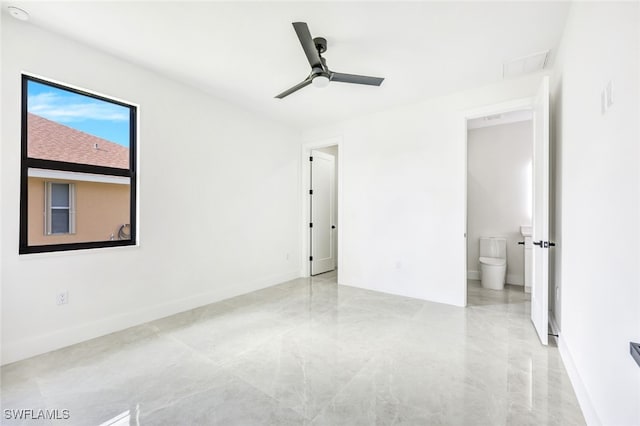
(321, 75)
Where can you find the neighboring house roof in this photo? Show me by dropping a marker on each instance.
(49, 140)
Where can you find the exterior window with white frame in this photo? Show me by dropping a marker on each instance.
(78, 169)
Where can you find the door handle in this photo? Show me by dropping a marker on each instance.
(333, 227)
(544, 244)
(521, 243)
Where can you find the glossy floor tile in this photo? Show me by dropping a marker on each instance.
(305, 352)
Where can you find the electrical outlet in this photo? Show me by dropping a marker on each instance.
(287, 256)
(63, 298)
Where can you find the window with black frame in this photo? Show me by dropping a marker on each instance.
(78, 177)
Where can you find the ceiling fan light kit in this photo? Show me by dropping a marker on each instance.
(321, 75)
(320, 80)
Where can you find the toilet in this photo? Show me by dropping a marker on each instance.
(493, 262)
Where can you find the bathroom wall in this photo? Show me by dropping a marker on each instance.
(499, 192)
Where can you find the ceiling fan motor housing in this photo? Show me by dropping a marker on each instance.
(321, 44)
(319, 71)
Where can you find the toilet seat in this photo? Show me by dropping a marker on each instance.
(493, 261)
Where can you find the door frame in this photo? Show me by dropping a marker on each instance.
(305, 212)
(498, 108)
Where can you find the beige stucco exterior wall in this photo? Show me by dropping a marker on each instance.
(101, 208)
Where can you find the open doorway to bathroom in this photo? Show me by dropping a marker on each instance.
(499, 208)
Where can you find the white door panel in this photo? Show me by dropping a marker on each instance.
(322, 212)
(540, 284)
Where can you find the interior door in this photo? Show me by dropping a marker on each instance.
(540, 284)
(321, 226)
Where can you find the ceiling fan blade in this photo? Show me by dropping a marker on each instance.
(357, 79)
(309, 47)
(294, 88)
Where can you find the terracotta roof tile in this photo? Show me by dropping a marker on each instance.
(49, 140)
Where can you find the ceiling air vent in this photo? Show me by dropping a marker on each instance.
(525, 65)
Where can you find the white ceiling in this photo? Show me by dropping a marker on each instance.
(246, 53)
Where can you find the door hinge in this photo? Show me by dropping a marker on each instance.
(310, 158)
(310, 258)
(311, 225)
(311, 192)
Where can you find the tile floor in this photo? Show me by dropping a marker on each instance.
(310, 352)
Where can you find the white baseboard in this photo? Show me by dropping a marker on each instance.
(32, 346)
(514, 279)
(588, 410)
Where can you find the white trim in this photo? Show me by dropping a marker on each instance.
(32, 346)
(304, 185)
(82, 177)
(508, 118)
(588, 410)
(499, 108)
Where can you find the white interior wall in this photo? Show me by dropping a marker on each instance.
(404, 203)
(404, 193)
(219, 202)
(499, 192)
(333, 150)
(597, 208)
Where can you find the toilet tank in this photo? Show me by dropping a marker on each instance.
(493, 247)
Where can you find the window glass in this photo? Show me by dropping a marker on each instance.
(78, 174)
(60, 221)
(63, 125)
(60, 195)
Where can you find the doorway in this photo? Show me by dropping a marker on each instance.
(323, 208)
(539, 106)
(321, 230)
(499, 208)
